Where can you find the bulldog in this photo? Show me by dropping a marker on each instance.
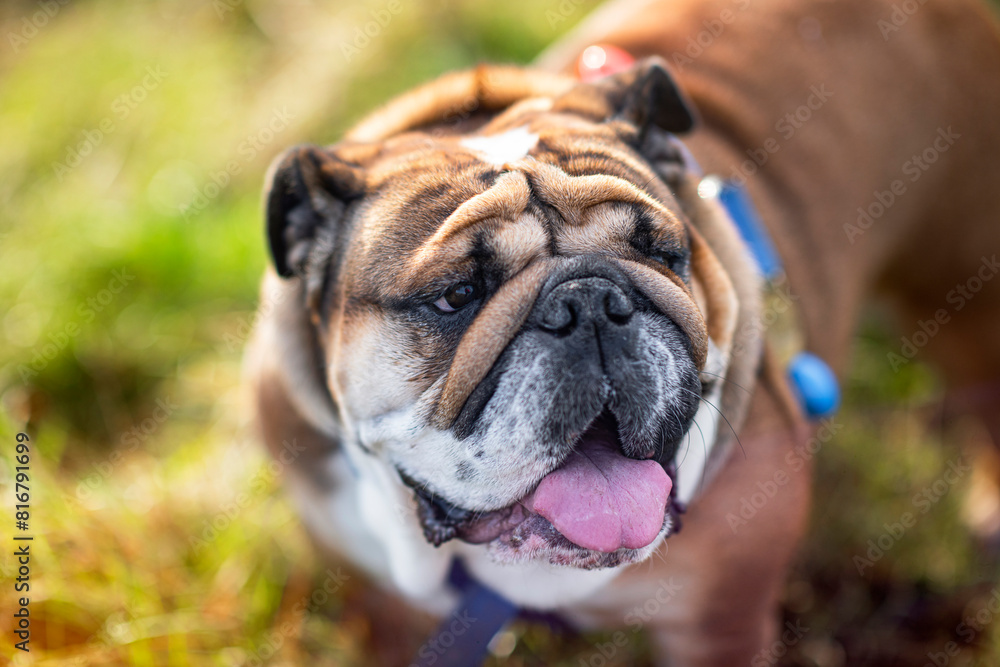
(507, 324)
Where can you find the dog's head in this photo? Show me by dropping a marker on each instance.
(512, 307)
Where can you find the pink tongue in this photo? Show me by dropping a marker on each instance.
(602, 500)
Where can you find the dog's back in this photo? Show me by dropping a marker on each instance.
(867, 134)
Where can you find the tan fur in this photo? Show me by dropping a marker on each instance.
(487, 337)
(889, 97)
(487, 88)
(505, 200)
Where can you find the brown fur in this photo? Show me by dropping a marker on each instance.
(889, 97)
(942, 68)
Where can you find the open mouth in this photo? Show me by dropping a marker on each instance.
(598, 506)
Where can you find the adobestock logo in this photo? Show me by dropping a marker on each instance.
(792, 635)
(435, 648)
(914, 169)
(797, 460)
(280, 120)
(274, 640)
(257, 486)
(87, 312)
(90, 139)
(565, 9)
(712, 30)
(130, 441)
(787, 126)
(901, 13)
(604, 652)
(924, 501)
(958, 297)
(363, 35)
(967, 630)
(30, 25)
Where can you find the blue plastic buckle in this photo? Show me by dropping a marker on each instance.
(815, 385)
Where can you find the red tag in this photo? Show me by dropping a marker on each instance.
(601, 60)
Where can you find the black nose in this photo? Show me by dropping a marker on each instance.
(590, 303)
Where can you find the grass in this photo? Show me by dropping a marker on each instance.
(131, 250)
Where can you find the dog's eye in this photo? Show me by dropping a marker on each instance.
(458, 296)
(675, 261)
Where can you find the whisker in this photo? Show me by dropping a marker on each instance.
(704, 446)
(686, 449)
(725, 379)
(728, 423)
(704, 441)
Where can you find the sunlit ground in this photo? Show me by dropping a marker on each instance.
(133, 141)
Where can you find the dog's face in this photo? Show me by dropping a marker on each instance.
(509, 317)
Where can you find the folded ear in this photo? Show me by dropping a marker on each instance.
(645, 95)
(308, 192)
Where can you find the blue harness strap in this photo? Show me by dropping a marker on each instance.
(736, 200)
(811, 378)
(463, 638)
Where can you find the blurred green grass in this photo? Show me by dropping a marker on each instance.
(130, 385)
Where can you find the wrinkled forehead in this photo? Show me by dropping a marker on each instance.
(523, 187)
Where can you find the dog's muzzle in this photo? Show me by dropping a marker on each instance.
(601, 385)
